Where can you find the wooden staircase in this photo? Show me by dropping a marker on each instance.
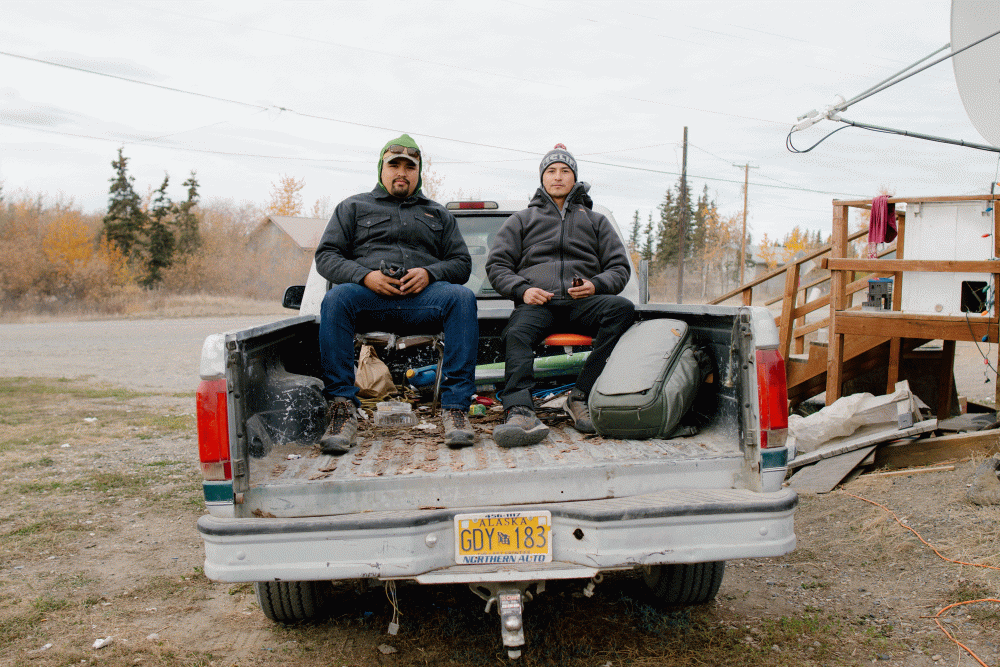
(863, 340)
(806, 359)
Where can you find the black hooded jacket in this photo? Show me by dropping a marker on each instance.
(537, 247)
(413, 233)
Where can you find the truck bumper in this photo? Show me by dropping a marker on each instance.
(674, 526)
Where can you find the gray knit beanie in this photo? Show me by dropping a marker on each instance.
(558, 154)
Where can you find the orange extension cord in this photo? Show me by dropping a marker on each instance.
(937, 616)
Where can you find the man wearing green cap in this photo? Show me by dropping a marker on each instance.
(398, 263)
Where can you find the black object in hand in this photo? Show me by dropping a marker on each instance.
(392, 270)
(577, 281)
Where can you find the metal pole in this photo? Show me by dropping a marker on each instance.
(683, 223)
(743, 239)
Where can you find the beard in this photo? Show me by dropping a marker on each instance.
(400, 189)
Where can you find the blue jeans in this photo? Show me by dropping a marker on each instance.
(441, 306)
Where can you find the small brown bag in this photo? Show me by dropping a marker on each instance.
(372, 376)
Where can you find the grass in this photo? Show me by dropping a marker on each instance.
(445, 625)
(143, 502)
(987, 614)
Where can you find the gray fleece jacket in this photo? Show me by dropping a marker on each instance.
(538, 247)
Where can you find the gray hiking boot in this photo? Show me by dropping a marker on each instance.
(521, 429)
(457, 429)
(339, 435)
(576, 408)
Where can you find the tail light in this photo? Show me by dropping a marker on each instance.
(213, 431)
(772, 392)
(470, 205)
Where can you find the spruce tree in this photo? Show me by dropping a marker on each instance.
(670, 221)
(188, 235)
(649, 241)
(160, 238)
(633, 237)
(670, 224)
(125, 222)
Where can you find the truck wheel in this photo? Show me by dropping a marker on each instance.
(678, 584)
(290, 601)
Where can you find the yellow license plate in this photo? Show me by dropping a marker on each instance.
(498, 538)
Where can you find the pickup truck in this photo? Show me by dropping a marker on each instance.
(400, 506)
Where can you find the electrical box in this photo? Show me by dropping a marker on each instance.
(947, 231)
(879, 294)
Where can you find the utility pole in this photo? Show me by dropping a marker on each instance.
(743, 239)
(683, 223)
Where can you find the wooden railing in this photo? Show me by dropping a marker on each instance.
(792, 326)
(846, 319)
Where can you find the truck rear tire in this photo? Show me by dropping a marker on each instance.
(291, 601)
(679, 584)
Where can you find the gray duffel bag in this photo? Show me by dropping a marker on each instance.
(649, 382)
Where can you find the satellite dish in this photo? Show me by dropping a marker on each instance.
(977, 70)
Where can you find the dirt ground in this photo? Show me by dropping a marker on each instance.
(98, 540)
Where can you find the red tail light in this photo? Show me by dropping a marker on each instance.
(470, 205)
(772, 391)
(213, 431)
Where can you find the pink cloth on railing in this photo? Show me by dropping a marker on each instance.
(882, 226)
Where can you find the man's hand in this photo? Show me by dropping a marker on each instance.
(382, 284)
(586, 289)
(536, 296)
(415, 281)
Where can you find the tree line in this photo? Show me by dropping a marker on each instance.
(52, 253)
(54, 257)
(711, 244)
(152, 236)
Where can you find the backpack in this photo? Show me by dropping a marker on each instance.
(649, 383)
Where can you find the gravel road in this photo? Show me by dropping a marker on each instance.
(146, 355)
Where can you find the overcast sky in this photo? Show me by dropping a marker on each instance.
(246, 92)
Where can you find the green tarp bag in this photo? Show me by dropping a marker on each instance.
(649, 382)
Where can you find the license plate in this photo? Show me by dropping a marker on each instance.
(497, 538)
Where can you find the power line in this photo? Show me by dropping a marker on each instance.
(472, 70)
(180, 148)
(129, 80)
(347, 122)
(722, 180)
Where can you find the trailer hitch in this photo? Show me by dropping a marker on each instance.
(509, 597)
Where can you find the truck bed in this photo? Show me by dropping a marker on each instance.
(405, 469)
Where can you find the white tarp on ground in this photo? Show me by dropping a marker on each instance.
(845, 415)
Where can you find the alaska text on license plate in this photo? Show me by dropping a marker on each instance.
(503, 537)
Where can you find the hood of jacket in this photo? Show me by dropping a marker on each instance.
(403, 140)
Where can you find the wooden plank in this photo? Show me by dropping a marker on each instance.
(909, 325)
(871, 434)
(823, 476)
(787, 308)
(856, 286)
(866, 203)
(838, 288)
(912, 471)
(932, 265)
(895, 353)
(945, 373)
(933, 451)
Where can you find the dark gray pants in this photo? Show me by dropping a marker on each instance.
(602, 316)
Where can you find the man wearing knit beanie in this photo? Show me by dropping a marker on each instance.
(563, 265)
(397, 263)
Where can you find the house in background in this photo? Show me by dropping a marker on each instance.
(284, 246)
